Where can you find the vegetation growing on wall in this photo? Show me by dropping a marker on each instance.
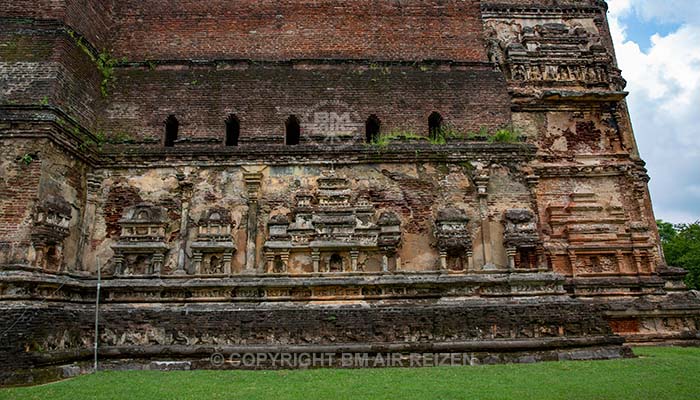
(27, 158)
(447, 133)
(104, 62)
(504, 135)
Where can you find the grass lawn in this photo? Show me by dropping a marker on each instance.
(659, 373)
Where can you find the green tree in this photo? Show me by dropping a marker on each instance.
(681, 244)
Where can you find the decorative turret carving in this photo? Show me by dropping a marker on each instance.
(141, 248)
(521, 240)
(51, 222)
(213, 248)
(454, 241)
(334, 229)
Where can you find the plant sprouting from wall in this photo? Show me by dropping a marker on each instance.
(27, 158)
(505, 135)
(104, 61)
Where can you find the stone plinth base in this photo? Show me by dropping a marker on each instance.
(472, 331)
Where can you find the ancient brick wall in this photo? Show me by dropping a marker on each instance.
(19, 189)
(64, 178)
(553, 206)
(42, 65)
(280, 30)
(263, 96)
(36, 175)
(92, 18)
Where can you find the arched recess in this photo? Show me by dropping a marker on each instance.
(435, 125)
(172, 125)
(372, 128)
(233, 130)
(292, 131)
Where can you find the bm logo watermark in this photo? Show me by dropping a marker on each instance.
(332, 123)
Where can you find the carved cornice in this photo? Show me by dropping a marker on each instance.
(152, 156)
(579, 171)
(509, 10)
(356, 286)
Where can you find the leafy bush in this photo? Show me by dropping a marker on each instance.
(681, 243)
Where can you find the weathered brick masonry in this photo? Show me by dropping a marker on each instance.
(465, 181)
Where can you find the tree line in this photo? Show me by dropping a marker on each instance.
(681, 243)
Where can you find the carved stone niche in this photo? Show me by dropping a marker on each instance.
(277, 259)
(141, 247)
(213, 248)
(51, 222)
(389, 239)
(454, 241)
(521, 240)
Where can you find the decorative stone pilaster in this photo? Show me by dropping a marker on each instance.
(252, 183)
(510, 253)
(482, 181)
(354, 254)
(185, 187)
(316, 259)
(94, 184)
(389, 239)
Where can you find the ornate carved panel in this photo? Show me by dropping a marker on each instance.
(333, 229)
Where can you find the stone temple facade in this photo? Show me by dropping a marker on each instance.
(444, 176)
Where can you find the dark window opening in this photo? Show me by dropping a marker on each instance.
(456, 263)
(171, 127)
(215, 266)
(293, 131)
(141, 265)
(335, 264)
(279, 266)
(53, 258)
(233, 130)
(372, 128)
(526, 259)
(435, 125)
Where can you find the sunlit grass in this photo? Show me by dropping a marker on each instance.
(659, 373)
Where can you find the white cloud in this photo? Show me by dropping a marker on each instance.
(664, 85)
(668, 10)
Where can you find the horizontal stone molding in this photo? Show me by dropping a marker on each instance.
(262, 288)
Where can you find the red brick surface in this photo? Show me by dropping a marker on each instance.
(263, 97)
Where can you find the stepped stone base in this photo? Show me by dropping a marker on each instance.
(43, 337)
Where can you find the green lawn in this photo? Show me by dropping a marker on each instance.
(659, 373)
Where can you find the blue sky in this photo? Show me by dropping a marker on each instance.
(640, 31)
(658, 49)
